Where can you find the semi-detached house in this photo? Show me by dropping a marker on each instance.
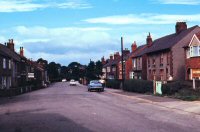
(166, 56)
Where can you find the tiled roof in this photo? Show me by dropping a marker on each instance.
(113, 62)
(139, 51)
(172, 39)
(6, 51)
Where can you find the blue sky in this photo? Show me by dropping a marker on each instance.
(79, 30)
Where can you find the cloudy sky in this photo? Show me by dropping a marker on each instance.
(79, 30)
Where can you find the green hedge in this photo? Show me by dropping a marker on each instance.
(113, 84)
(171, 88)
(139, 86)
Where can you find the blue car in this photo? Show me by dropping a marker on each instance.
(95, 85)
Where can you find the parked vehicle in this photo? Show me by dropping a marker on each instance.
(64, 80)
(95, 85)
(72, 83)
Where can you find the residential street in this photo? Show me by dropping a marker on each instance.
(64, 108)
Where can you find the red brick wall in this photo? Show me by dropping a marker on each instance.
(193, 63)
(128, 68)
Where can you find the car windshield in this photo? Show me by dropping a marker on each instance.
(95, 81)
(72, 80)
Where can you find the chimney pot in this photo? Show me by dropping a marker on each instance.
(149, 40)
(180, 26)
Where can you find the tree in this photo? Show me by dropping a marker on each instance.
(76, 71)
(53, 71)
(98, 69)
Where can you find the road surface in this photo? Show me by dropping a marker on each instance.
(64, 108)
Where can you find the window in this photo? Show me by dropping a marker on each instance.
(114, 69)
(134, 63)
(4, 63)
(3, 81)
(108, 69)
(168, 58)
(161, 75)
(194, 51)
(154, 62)
(9, 64)
(161, 59)
(149, 63)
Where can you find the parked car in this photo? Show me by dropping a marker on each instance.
(95, 85)
(72, 83)
(64, 80)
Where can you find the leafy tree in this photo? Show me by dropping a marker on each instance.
(53, 71)
(98, 69)
(76, 70)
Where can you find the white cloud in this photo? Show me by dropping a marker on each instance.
(144, 19)
(180, 2)
(65, 44)
(31, 5)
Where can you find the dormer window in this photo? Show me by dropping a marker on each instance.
(194, 47)
(194, 51)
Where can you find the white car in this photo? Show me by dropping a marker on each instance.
(72, 83)
(64, 80)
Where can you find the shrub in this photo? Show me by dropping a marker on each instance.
(139, 86)
(171, 88)
(113, 84)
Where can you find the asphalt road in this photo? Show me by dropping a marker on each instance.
(64, 108)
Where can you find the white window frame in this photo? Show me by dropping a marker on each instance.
(9, 64)
(4, 63)
(108, 69)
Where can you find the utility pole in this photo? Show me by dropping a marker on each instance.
(122, 61)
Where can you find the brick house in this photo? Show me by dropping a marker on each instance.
(192, 56)
(139, 60)
(166, 55)
(110, 69)
(14, 68)
(9, 66)
(113, 68)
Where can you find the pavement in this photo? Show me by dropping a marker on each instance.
(171, 103)
(64, 108)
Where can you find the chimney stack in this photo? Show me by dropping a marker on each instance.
(149, 40)
(134, 46)
(21, 52)
(11, 45)
(116, 56)
(126, 52)
(103, 60)
(180, 26)
(111, 57)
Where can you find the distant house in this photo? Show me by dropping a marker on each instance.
(129, 62)
(139, 64)
(9, 66)
(111, 68)
(192, 56)
(15, 68)
(166, 55)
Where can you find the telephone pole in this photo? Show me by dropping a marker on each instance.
(122, 61)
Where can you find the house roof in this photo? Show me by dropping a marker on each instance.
(6, 51)
(113, 62)
(139, 51)
(169, 41)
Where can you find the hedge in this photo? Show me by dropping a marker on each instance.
(113, 83)
(139, 86)
(171, 88)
